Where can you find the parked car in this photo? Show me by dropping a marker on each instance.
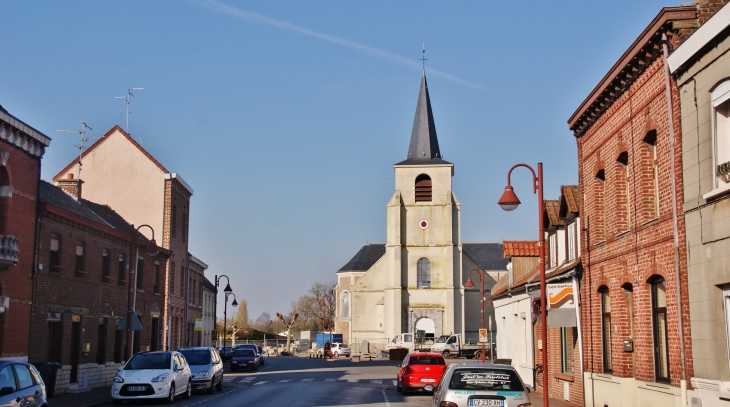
(244, 358)
(340, 349)
(225, 352)
(206, 367)
(20, 381)
(480, 385)
(153, 375)
(255, 348)
(418, 370)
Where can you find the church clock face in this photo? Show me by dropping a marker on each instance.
(423, 224)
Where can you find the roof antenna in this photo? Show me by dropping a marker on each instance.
(84, 139)
(127, 99)
(423, 57)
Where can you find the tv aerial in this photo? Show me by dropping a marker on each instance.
(83, 140)
(128, 98)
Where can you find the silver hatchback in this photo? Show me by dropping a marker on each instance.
(475, 384)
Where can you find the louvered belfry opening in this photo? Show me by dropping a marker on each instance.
(423, 188)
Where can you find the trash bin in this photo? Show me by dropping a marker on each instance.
(48, 374)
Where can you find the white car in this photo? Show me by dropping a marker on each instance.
(340, 349)
(152, 375)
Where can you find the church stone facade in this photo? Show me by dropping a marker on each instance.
(415, 281)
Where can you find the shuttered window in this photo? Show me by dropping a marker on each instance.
(423, 188)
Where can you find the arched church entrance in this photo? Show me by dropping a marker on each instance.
(428, 320)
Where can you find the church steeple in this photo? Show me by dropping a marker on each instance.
(424, 146)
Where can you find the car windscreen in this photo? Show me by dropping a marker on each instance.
(426, 360)
(197, 357)
(143, 361)
(342, 345)
(245, 353)
(485, 379)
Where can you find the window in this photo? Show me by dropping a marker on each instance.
(7, 378)
(5, 194)
(623, 192)
(553, 239)
(25, 379)
(345, 306)
(721, 129)
(53, 341)
(599, 191)
(568, 339)
(726, 303)
(55, 258)
(182, 281)
(185, 227)
(106, 266)
(423, 188)
(659, 316)
(173, 222)
(606, 328)
(121, 270)
(101, 342)
(79, 268)
(172, 277)
(156, 288)
(140, 274)
(423, 272)
(571, 241)
(653, 191)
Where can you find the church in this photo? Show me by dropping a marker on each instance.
(415, 280)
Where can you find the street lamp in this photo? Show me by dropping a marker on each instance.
(228, 291)
(327, 303)
(470, 284)
(152, 250)
(509, 202)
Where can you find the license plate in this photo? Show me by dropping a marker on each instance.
(136, 388)
(486, 402)
(428, 380)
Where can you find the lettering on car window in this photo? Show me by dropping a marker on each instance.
(489, 378)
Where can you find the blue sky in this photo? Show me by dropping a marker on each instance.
(287, 117)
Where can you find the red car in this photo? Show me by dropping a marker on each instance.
(420, 369)
(244, 358)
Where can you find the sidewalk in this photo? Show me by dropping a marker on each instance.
(101, 396)
(536, 400)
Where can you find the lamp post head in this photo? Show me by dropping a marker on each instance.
(152, 249)
(469, 283)
(509, 200)
(234, 303)
(228, 289)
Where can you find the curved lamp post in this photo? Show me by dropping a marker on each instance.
(509, 202)
(228, 291)
(152, 250)
(470, 284)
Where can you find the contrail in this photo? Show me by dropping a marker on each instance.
(381, 53)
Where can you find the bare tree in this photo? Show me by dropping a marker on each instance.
(308, 304)
(263, 322)
(290, 323)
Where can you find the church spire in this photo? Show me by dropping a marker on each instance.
(424, 145)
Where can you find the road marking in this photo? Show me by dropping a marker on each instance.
(330, 380)
(247, 379)
(353, 380)
(257, 383)
(284, 381)
(395, 382)
(307, 380)
(228, 378)
(376, 381)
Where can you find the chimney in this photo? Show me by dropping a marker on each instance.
(70, 185)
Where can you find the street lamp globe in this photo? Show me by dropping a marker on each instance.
(509, 200)
(234, 303)
(228, 289)
(469, 283)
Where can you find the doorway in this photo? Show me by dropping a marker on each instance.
(75, 349)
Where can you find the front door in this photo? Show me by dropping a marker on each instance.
(75, 349)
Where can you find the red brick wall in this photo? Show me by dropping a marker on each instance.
(616, 259)
(556, 377)
(88, 297)
(23, 175)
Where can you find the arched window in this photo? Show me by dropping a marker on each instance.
(423, 268)
(121, 270)
(79, 267)
(423, 188)
(606, 328)
(345, 306)
(106, 265)
(54, 261)
(652, 190)
(659, 316)
(5, 193)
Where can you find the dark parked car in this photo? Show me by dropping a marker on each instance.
(225, 352)
(242, 358)
(256, 348)
(206, 367)
(20, 381)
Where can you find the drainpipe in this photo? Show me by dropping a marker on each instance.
(670, 114)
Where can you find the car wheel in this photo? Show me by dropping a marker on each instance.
(404, 390)
(171, 397)
(446, 354)
(188, 391)
(255, 367)
(212, 387)
(337, 354)
(398, 387)
(219, 386)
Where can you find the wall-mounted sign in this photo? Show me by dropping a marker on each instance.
(561, 305)
(423, 224)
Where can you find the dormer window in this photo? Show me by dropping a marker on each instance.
(423, 188)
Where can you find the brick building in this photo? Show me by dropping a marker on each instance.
(635, 314)
(196, 277)
(519, 328)
(81, 288)
(21, 150)
(701, 68)
(119, 172)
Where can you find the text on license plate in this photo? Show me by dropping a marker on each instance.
(428, 380)
(486, 402)
(136, 388)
